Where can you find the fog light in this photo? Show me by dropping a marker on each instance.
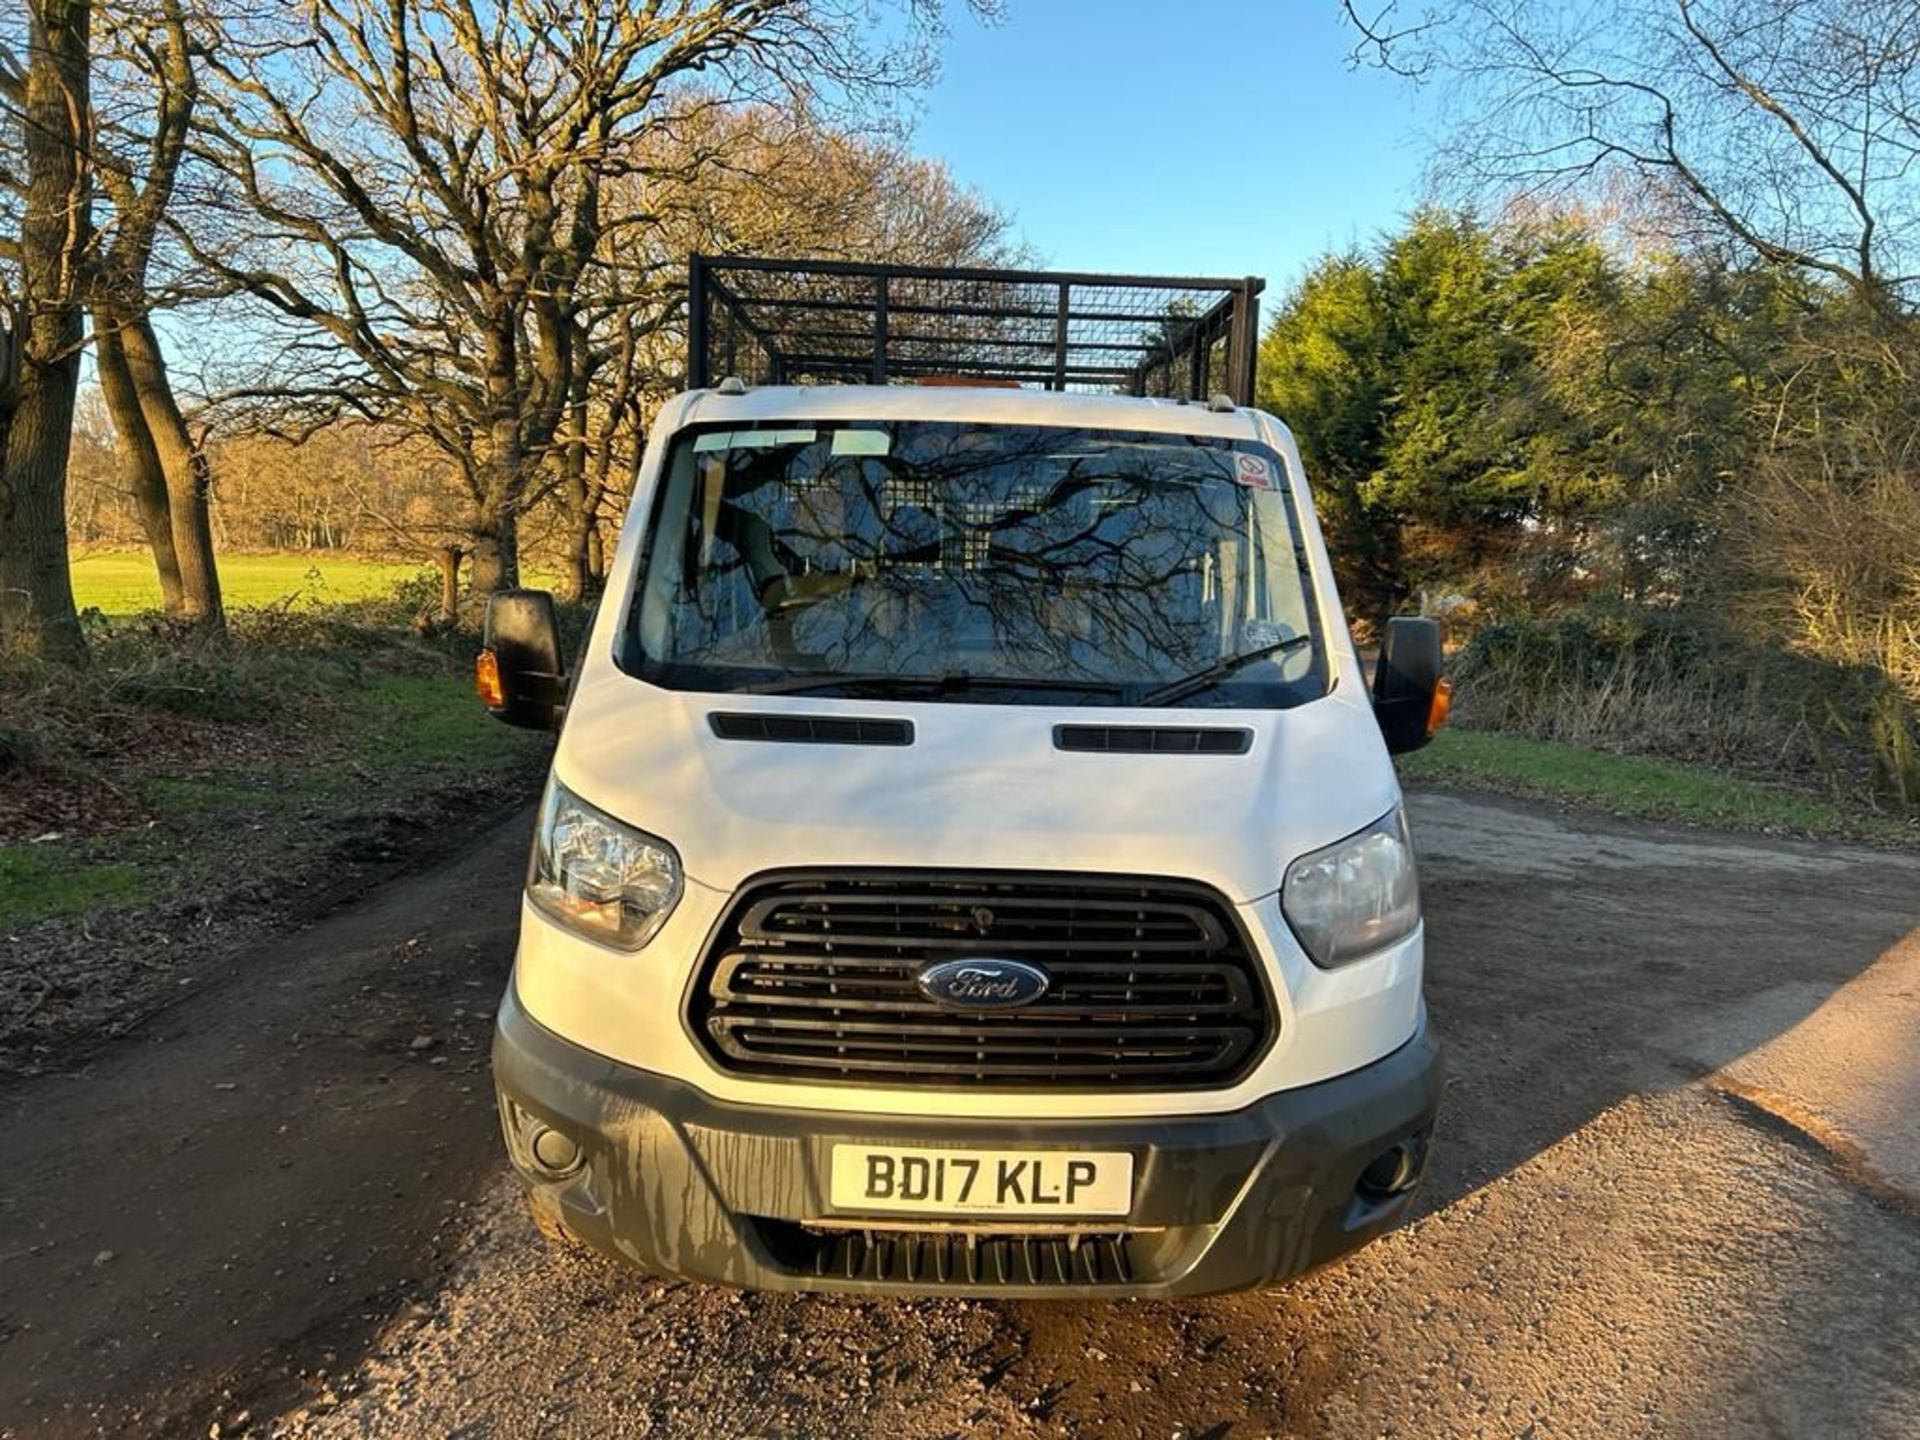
(553, 1152)
(1391, 1173)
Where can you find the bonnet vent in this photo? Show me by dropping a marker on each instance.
(810, 729)
(1154, 739)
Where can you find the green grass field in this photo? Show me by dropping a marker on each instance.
(122, 582)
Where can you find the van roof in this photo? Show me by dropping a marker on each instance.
(982, 405)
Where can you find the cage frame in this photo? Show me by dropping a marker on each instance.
(754, 317)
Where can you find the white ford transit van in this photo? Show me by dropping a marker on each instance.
(971, 862)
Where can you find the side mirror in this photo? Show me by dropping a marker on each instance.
(520, 674)
(1410, 696)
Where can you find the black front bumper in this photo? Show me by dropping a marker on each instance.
(679, 1183)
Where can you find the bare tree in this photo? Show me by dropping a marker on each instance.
(1790, 128)
(41, 337)
(718, 179)
(139, 147)
(420, 191)
(1387, 37)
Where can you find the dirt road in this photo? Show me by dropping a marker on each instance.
(1678, 1193)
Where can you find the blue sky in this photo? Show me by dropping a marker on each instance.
(1224, 137)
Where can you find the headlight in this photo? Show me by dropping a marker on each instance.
(608, 881)
(1353, 898)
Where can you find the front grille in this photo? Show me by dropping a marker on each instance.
(813, 977)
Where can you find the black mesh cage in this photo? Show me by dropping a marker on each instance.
(792, 322)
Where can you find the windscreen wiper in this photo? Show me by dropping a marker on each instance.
(1220, 669)
(800, 681)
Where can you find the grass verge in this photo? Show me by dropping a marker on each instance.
(36, 882)
(1643, 787)
(173, 796)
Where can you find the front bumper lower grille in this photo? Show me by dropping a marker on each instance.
(930, 1259)
(814, 977)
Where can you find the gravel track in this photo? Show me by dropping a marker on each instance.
(1674, 1195)
(1615, 1285)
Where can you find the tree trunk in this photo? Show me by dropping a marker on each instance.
(496, 561)
(576, 582)
(37, 614)
(485, 576)
(510, 548)
(576, 500)
(579, 578)
(597, 557)
(188, 477)
(496, 541)
(145, 478)
(450, 557)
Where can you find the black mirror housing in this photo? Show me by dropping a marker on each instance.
(1406, 680)
(523, 635)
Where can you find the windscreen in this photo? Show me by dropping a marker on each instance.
(984, 562)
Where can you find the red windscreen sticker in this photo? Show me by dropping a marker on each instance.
(1255, 471)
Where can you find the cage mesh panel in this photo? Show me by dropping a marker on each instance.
(799, 323)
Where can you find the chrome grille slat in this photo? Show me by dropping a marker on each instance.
(813, 977)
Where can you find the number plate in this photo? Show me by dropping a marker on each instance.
(982, 1182)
